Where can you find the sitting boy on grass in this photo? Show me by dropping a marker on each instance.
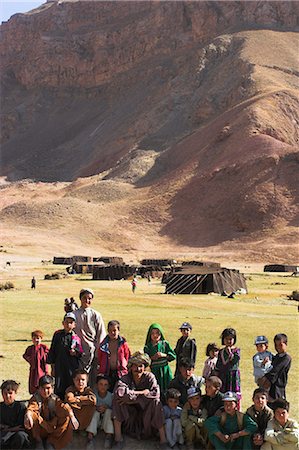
(212, 402)
(261, 414)
(102, 416)
(193, 419)
(12, 413)
(172, 415)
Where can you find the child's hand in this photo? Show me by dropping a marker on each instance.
(101, 409)
(258, 439)
(74, 421)
(28, 421)
(234, 436)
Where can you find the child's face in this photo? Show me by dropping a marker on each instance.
(211, 390)
(36, 339)
(280, 346)
(260, 401)
(155, 335)
(113, 332)
(80, 382)
(102, 386)
(194, 402)
(230, 407)
(281, 415)
(173, 403)
(261, 347)
(229, 341)
(46, 390)
(9, 396)
(213, 353)
(86, 300)
(186, 372)
(69, 325)
(185, 332)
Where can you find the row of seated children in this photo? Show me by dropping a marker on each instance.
(50, 421)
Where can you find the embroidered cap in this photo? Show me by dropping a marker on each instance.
(261, 340)
(185, 326)
(230, 397)
(192, 392)
(70, 315)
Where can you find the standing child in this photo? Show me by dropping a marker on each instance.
(12, 414)
(102, 416)
(160, 353)
(172, 416)
(36, 356)
(64, 354)
(82, 399)
(193, 419)
(276, 380)
(227, 366)
(113, 354)
(210, 363)
(185, 346)
(262, 360)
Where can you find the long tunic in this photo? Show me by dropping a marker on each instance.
(65, 364)
(278, 375)
(12, 416)
(139, 414)
(227, 369)
(281, 437)
(185, 347)
(160, 367)
(230, 426)
(91, 330)
(82, 403)
(36, 356)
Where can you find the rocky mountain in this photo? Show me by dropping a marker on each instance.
(182, 117)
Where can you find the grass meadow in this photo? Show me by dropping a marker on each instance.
(264, 310)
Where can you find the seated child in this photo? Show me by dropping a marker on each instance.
(186, 379)
(102, 416)
(12, 413)
(281, 433)
(64, 354)
(231, 430)
(261, 414)
(210, 363)
(262, 360)
(276, 379)
(185, 346)
(212, 402)
(48, 418)
(81, 398)
(36, 356)
(172, 416)
(113, 354)
(193, 419)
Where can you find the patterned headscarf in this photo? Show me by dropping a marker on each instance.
(148, 336)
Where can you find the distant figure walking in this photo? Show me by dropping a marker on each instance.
(134, 285)
(33, 283)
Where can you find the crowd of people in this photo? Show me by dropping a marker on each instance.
(88, 380)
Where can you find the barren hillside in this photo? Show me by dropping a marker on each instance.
(151, 127)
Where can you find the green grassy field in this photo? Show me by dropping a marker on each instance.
(264, 310)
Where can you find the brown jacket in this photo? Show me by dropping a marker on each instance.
(82, 403)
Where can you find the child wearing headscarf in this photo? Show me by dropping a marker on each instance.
(160, 354)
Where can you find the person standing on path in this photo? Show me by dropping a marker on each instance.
(91, 330)
(33, 283)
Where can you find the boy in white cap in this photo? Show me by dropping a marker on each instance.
(193, 418)
(233, 429)
(262, 360)
(185, 346)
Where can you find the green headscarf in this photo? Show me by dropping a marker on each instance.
(148, 336)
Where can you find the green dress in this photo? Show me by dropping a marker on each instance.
(160, 367)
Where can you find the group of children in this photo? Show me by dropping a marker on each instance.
(63, 401)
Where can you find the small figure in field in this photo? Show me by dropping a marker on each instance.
(193, 419)
(185, 346)
(282, 433)
(212, 401)
(261, 414)
(70, 305)
(186, 379)
(50, 421)
(262, 360)
(276, 379)
(81, 398)
(227, 366)
(114, 354)
(233, 429)
(12, 414)
(64, 355)
(172, 415)
(160, 354)
(134, 284)
(210, 363)
(102, 416)
(36, 355)
(33, 283)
